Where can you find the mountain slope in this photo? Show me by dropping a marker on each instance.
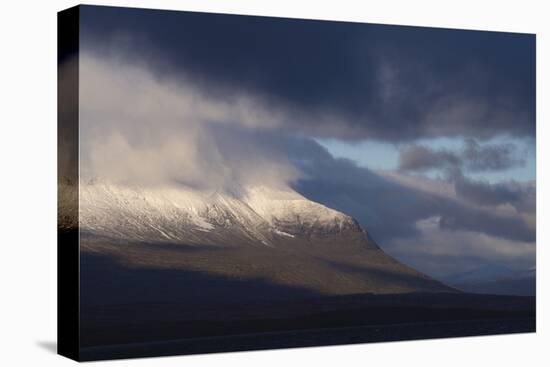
(275, 235)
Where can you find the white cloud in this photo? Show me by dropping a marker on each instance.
(136, 128)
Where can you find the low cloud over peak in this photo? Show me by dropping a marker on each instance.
(138, 129)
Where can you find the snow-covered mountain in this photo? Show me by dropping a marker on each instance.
(276, 235)
(183, 215)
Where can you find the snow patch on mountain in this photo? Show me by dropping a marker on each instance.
(281, 233)
(286, 205)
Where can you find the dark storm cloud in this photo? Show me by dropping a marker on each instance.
(475, 220)
(344, 80)
(473, 157)
(421, 158)
(520, 195)
(490, 157)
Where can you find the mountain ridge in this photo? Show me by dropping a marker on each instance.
(153, 214)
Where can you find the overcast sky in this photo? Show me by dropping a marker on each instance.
(426, 136)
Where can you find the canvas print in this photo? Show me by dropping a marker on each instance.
(233, 182)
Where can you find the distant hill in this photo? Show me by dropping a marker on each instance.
(494, 279)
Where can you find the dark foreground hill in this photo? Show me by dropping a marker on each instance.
(133, 310)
